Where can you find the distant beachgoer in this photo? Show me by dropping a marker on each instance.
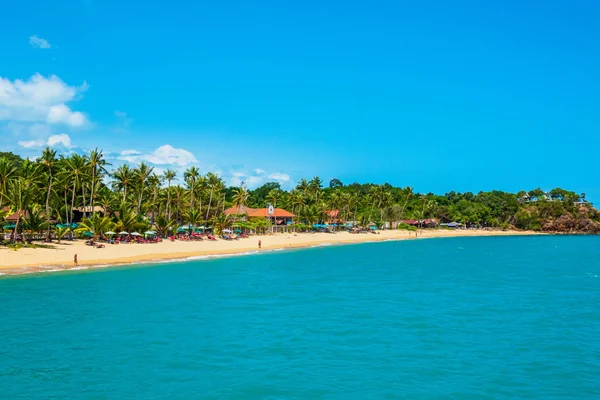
(75, 259)
(259, 244)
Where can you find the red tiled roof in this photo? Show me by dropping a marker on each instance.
(333, 213)
(263, 212)
(238, 210)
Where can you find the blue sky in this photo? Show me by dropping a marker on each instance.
(441, 96)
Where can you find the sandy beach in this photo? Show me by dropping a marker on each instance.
(60, 256)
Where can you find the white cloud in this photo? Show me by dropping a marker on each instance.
(280, 177)
(54, 140)
(39, 42)
(256, 178)
(40, 99)
(62, 139)
(31, 143)
(164, 155)
(130, 152)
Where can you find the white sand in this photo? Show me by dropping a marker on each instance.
(29, 260)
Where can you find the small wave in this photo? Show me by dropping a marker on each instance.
(322, 245)
(53, 270)
(591, 275)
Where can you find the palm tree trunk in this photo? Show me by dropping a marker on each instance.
(47, 203)
(139, 206)
(17, 228)
(73, 200)
(209, 203)
(66, 206)
(92, 191)
(153, 205)
(168, 207)
(83, 198)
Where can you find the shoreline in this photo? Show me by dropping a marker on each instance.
(60, 256)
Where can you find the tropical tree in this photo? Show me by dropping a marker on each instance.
(169, 175)
(8, 172)
(97, 164)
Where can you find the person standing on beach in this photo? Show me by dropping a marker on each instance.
(259, 244)
(75, 259)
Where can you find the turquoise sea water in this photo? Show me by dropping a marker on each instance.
(464, 318)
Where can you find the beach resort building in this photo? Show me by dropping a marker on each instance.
(278, 216)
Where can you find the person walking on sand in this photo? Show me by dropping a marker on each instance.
(259, 244)
(75, 259)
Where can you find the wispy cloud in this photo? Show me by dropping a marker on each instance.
(59, 140)
(163, 155)
(39, 42)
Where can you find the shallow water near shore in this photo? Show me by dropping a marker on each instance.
(463, 318)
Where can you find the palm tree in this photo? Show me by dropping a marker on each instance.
(214, 183)
(19, 196)
(97, 164)
(8, 172)
(169, 175)
(315, 187)
(220, 222)
(190, 176)
(409, 194)
(74, 170)
(123, 179)
(96, 224)
(34, 222)
(50, 162)
(193, 218)
(240, 198)
(296, 201)
(142, 173)
(154, 183)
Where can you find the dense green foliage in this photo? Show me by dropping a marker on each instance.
(78, 188)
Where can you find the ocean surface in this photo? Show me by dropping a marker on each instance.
(463, 318)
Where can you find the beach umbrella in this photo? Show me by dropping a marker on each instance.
(226, 230)
(149, 233)
(110, 233)
(181, 229)
(88, 234)
(135, 234)
(10, 226)
(123, 233)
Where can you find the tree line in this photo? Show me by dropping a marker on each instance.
(58, 189)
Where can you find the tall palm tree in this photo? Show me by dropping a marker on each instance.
(240, 199)
(409, 193)
(124, 177)
(8, 172)
(315, 187)
(97, 164)
(154, 183)
(191, 176)
(50, 162)
(296, 201)
(169, 175)
(74, 170)
(142, 173)
(214, 183)
(19, 196)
